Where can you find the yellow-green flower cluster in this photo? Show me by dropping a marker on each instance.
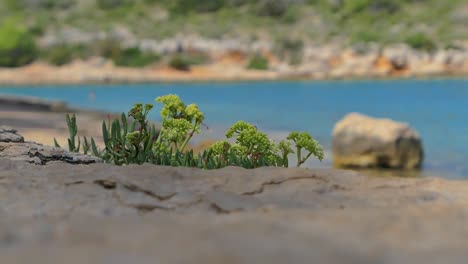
(305, 141)
(139, 113)
(180, 122)
(249, 137)
(220, 148)
(136, 112)
(176, 130)
(133, 137)
(192, 113)
(285, 147)
(173, 106)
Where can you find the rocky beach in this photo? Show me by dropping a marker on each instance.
(43, 120)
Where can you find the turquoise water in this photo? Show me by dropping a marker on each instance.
(438, 109)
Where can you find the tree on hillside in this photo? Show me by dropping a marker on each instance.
(17, 46)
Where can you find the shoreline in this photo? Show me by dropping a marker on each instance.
(89, 73)
(236, 80)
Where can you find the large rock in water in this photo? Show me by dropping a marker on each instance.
(362, 141)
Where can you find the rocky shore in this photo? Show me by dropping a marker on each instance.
(42, 120)
(80, 210)
(228, 60)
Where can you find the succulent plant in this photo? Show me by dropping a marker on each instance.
(133, 140)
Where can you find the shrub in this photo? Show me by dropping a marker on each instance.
(46, 4)
(137, 141)
(293, 49)
(111, 4)
(273, 8)
(134, 57)
(421, 41)
(64, 54)
(184, 61)
(365, 36)
(187, 6)
(107, 48)
(258, 62)
(291, 15)
(179, 63)
(17, 46)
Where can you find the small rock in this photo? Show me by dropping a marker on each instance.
(8, 134)
(362, 141)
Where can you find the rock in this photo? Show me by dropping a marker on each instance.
(41, 155)
(8, 134)
(363, 142)
(100, 213)
(12, 146)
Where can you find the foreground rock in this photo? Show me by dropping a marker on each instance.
(8, 134)
(364, 142)
(13, 147)
(100, 213)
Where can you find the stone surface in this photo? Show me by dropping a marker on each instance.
(39, 154)
(62, 207)
(362, 141)
(8, 134)
(147, 214)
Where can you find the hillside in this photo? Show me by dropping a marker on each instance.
(137, 33)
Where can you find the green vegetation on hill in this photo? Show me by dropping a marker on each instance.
(423, 24)
(17, 46)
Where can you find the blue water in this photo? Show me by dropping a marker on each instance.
(438, 109)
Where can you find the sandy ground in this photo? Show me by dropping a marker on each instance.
(43, 127)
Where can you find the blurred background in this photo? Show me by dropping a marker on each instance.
(255, 33)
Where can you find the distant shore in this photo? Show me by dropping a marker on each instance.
(347, 65)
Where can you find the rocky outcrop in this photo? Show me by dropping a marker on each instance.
(364, 142)
(13, 147)
(8, 134)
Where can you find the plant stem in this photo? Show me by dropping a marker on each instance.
(190, 135)
(305, 159)
(299, 156)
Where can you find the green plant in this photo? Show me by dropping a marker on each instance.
(59, 55)
(111, 4)
(134, 57)
(137, 141)
(17, 46)
(184, 61)
(292, 49)
(73, 145)
(258, 62)
(180, 123)
(186, 6)
(179, 63)
(63, 54)
(305, 142)
(272, 8)
(421, 41)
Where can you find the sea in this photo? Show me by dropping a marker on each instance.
(436, 108)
